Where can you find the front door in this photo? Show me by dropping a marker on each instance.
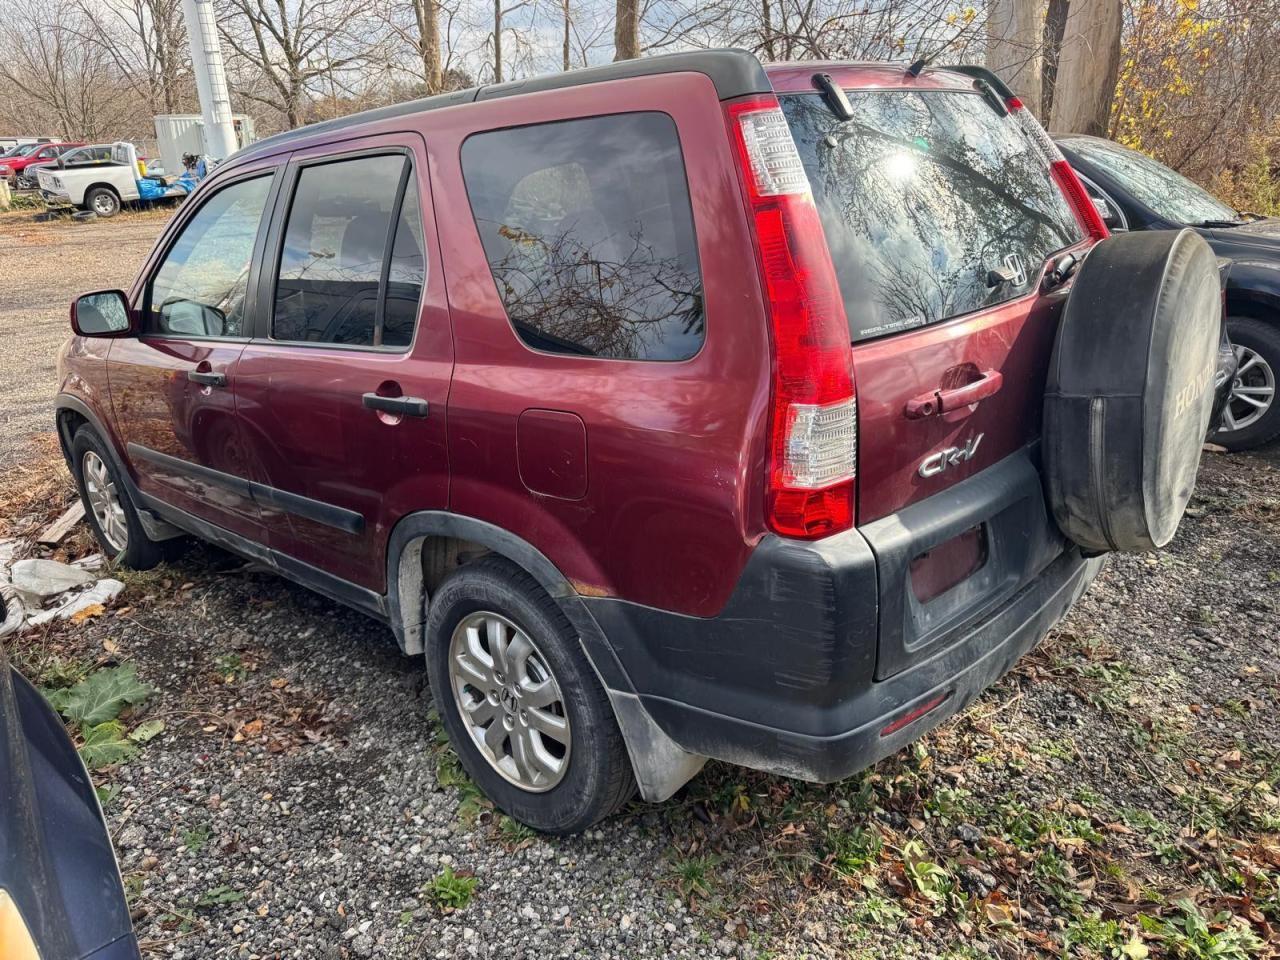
(173, 387)
(342, 391)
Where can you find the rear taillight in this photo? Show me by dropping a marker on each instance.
(813, 423)
(1081, 204)
(1065, 177)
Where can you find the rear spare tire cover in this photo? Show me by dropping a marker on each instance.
(1130, 389)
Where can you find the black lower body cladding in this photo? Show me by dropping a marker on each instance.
(1130, 389)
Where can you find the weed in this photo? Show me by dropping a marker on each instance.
(1192, 936)
(514, 832)
(231, 667)
(449, 773)
(855, 852)
(220, 895)
(195, 838)
(449, 890)
(693, 875)
(931, 881)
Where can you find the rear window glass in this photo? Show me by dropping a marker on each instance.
(588, 231)
(922, 194)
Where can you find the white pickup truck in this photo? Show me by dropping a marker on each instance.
(103, 188)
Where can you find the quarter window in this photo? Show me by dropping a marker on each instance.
(336, 283)
(588, 231)
(200, 288)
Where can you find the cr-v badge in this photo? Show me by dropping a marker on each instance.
(950, 457)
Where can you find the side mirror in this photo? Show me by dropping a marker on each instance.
(101, 314)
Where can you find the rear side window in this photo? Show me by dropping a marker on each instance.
(337, 282)
(588, 231)
(922, 195)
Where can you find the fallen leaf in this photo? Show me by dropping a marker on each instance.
(92, 610)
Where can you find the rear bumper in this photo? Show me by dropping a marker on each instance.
(785, 678)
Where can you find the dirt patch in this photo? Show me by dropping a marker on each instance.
(42, 266)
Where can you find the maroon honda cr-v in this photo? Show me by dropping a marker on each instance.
(676, 408)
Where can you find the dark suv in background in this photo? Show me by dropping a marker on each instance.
(676, 408)
(1139, 193)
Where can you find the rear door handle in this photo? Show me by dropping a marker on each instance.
(404, 406)
(207, 378)
(945, 401)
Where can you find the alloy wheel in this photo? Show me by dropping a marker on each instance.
(1252, 391)
(509, 701)
(104, 501)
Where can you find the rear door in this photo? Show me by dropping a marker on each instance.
(942, 218)
(342, 392)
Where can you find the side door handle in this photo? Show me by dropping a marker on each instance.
(401, 406)
(207, 377)
(945, 401)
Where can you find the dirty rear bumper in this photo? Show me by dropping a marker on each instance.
(785, 678)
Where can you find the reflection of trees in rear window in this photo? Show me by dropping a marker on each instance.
(921, 196)
(589, 235)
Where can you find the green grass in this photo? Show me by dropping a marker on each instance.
(449, 890)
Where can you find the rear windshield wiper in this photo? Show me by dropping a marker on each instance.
(834, 95)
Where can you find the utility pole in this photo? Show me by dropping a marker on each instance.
(211, 78)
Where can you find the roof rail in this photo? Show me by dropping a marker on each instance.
(734, 72)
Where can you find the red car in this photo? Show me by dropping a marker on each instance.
(11, 167)
(675, 408)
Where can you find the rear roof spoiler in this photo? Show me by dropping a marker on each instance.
(985, 75)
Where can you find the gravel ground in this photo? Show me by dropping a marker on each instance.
(42, 266)
(299, 799)
(300, 803)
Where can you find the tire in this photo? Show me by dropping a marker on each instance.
(102, 201)
(90, 461)
(1130, 389)
(594, 777)
(1257, 343)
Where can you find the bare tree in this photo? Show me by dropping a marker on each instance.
(54, 79)
(1013, 47)
(293, 46)
(1088, 64)
(626, 30)
(146, 41)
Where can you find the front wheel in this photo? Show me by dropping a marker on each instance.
(1252, 416)
(522, 706)
(107, 507)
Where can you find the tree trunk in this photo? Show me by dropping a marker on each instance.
(497, 41)
(1055, 22)
(1088, 64)
(1013, 48)
(766, 17)
(626, 30)
(428, 15)
(565, 48)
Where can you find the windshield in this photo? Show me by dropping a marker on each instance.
(23, 150)
(1171, 195)
(933, 204)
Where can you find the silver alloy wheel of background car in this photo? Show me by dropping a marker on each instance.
(509, 701)
(1252, 392)
(104, 501)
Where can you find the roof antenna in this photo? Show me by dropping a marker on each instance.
(913, 71)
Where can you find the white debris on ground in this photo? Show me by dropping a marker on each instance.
(51, 590)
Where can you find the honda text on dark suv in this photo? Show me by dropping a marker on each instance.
(676, 408)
